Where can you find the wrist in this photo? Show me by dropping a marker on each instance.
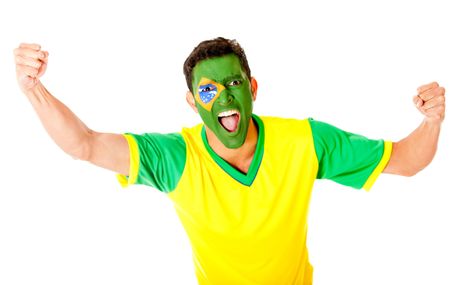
(433, 122)
(36, 89)
(38, 94)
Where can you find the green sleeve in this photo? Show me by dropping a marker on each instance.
(156, 160)
(347, 158)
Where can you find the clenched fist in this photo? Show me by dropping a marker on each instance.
(31, 63)
(430, 101)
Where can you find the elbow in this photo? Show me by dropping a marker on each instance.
(79, 153)
(408, 162)
(409, 172)
(80, 150)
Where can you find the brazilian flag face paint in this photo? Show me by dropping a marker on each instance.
(208, 91)
(223, 98)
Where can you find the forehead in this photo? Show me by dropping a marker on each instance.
(218, 68)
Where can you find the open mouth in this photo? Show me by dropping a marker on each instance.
(229, 120)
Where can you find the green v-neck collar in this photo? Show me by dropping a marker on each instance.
(246, 179)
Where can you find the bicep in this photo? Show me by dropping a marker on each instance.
(110, 151)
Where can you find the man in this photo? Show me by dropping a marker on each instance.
(240, 183)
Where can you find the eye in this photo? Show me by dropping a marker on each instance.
(235, 83)
(207, 88)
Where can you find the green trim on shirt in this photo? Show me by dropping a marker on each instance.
(246, 179)
(344, 157)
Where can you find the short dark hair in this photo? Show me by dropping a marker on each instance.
(213, 48)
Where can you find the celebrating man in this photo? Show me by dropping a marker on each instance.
(240, 183)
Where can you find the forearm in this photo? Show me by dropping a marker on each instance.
(416, 151)
(106, 150)
(63, 126)
(413, 153)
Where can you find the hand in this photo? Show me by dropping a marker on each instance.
(31, 63)
(430, 101)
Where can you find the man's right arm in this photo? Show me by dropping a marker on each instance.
(109, 151)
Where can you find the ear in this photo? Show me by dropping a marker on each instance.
(254, 85)
(191, 101)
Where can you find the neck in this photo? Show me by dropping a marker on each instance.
(240, 157)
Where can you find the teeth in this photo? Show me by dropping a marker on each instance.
(228, 113)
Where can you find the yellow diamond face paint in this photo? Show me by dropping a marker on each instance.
(207, 92)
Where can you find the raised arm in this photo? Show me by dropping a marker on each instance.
(109, 151)
(416, 151)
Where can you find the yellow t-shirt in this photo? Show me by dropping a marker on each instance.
(251, 228)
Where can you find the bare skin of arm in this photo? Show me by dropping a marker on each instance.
(413, 153)
(109, 151)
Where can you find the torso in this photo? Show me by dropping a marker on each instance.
(254, 233)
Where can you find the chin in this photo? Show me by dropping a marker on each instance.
(233, 146)
(234, 143)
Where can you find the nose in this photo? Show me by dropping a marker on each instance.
(225, 98)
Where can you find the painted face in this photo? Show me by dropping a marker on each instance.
(223, 98)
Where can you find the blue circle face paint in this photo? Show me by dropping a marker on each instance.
(207, 92)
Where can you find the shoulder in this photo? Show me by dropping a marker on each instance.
(193, 135)
(158, 140)
(192, 131)
(286, 127)
(280, 120)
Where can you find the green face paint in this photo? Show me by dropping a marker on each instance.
(223, 98)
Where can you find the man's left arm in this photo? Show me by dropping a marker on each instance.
(416, 151)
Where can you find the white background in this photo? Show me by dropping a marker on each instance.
(118, 66)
